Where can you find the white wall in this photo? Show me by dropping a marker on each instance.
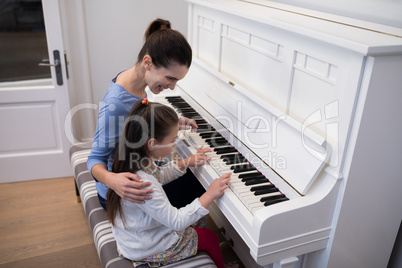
(103, 37)
(115, 32)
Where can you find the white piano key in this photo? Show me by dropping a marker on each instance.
(240, 190)
(238, 186)
(253, 209)
(197, 138)
(236, 181)
(224, 170)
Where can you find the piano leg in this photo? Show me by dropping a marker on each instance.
(286, 263)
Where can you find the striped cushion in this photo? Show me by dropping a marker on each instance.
(101, 229)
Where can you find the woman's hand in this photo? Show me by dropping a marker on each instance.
(215, 190)
(186, 123)
(129, 187)
(198, 159)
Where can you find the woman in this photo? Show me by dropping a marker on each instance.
(164, 59)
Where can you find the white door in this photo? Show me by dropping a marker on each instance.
(33, 143)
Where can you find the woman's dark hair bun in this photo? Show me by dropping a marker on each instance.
(165, 45)
(156, 25)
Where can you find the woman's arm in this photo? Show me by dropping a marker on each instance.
(107, 135)
(127, 185)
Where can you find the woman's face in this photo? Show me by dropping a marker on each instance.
(159, 79)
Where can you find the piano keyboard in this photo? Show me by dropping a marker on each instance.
(253, 189)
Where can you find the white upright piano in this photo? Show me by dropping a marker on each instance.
(310, 103)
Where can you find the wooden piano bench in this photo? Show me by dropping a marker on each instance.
(96, 215)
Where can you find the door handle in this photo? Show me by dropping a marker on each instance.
(57, 65)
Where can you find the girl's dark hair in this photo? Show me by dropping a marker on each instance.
(165, 46)
(145, 121)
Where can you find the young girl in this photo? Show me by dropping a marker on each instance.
(156, 232)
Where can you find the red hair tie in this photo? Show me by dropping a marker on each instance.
(163, 27)
(145, 101)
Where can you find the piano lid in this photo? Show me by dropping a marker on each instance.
(357, 35)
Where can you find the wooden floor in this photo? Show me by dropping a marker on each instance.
(43, 225)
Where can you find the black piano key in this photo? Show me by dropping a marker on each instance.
(245, 175)
(263, 187)
(205, 128)
(271, 202)
(181, 105)
(200, 121)
(225, 150)
(268, 198)
(256, 181)
(215, 139)
(242, 168)
(201, 130)
(191, 114)
(266, 191)
(236, 160)
(186, 110)
(231, 157)
(210, 134)
(173, 97)
(174, 101)
(217, 142)
(252, 178)
(213, 144)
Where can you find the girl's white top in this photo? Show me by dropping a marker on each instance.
(150, 228)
